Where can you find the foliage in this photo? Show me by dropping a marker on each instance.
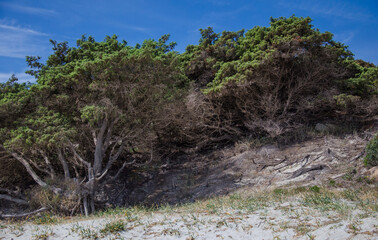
(371, 158)
(100, 107)
(272, 78)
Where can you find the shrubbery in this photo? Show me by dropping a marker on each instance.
(371, 158)
(103, 106)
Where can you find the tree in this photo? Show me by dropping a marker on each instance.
(96, 106)
(273, 78)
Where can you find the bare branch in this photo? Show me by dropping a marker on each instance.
(12, 199)
(23, 215)
(77, 155)
(107, 141)
(49, 165)
(113, 159)
(29, 169)
(119, 171)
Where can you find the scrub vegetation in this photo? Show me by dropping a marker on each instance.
(101, 109)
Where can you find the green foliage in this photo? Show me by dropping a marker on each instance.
(365, 81)
(44, 128)
(92, 114)
(371, 158)
(261, 44)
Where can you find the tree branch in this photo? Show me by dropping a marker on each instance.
(113, 159)
(77, 155)
(49, 165)
(12, 199)
(64, 163)
(29, 169)
(23, 215)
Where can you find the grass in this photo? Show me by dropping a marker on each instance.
(42, 234)
(46, 219)
(114, 227)
(85, 232)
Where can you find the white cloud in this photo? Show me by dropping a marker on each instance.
(30, 10)
(22, 77)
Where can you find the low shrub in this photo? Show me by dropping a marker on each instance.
(371, 158)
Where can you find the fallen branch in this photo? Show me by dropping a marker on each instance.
(262, 167)
(301, 171)
(12, 199)
(23, 215)
(358, 156)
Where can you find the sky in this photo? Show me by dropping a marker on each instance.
(27, 26)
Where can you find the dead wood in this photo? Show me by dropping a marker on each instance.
(13, 199)
(302, 171)
(23, 215)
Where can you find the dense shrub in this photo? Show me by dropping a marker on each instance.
(103, 106)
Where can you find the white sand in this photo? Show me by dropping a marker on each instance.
(283, 221)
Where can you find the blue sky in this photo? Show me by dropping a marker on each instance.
(27, 26)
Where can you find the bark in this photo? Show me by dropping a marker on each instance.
(99, 150)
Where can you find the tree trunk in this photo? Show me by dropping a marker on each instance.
(85, 205)
(64, 164)
(92, 202)
(99, 154)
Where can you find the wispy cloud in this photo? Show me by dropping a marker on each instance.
(336, 8)
(348, 37)
(17, 41)
(22, 77)
(136, 28)
(27, 9)
(21, 30)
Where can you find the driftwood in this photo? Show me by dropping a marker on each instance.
(23, 215)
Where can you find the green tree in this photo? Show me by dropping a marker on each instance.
(95, 104)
